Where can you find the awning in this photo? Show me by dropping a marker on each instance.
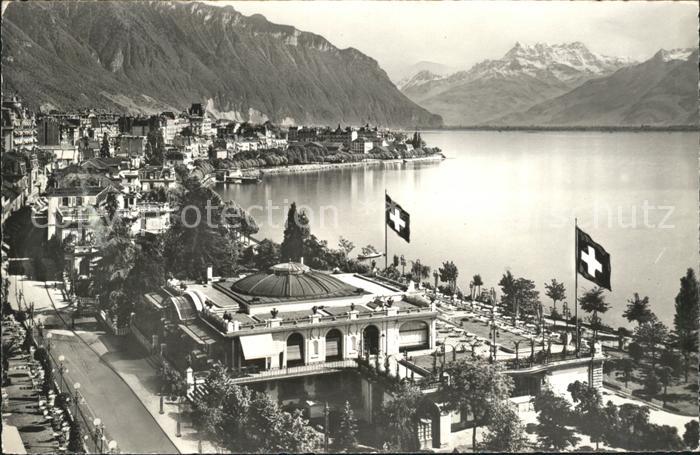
(258, 346)
(199, 336)
(11, 440)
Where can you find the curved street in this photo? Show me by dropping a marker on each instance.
(107, 395)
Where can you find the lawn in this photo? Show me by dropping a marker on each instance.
(682, 396)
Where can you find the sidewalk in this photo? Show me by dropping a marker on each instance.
(21, 409)
(106, 394)
(125, 359)
(134, 367)
(656, 415)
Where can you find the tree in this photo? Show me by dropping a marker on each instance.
(475, 388)
(346, 436)
(264, 256)
(507, 284)
(111, 205)
(691, 437)
(296, 230)
(400, 429)
(665, 377)
(199, 237)
(155, 147)
(652, 382)
(104, 148)
(589, 410)
(527, 297)
(148, 271)
(519, 294)
(448, 274)
(686, 321)
(75, 437)
(553, 413)
(505, 431)
(627, 367)
(476, 279)
(241, 420)
(555, 291)
(672, 360)
(663, 438)
(593, 301)
(369, 250)
(638, 310)
(117, 251)
(636, 351)
(346, 246)
(649, 335)
(419, 271)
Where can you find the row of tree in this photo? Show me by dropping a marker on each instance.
(240, 420)
(626, 426)
(204, 232)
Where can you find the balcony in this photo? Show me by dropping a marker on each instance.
(216, 320)
(252, 375)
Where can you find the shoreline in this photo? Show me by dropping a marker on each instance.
(607, 129)
(301, 168)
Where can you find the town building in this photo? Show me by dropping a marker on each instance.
(18, 125)
(152, 177)
(130, 145)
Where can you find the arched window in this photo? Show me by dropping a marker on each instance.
(295, 350)
(334, 345)
(370, 344)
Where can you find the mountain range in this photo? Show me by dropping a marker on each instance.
(564, 84)
(662, 91)
(155, 56)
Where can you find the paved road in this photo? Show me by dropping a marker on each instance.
(125, 418)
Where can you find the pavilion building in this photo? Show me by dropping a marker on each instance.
(267, 323)
(307, 337)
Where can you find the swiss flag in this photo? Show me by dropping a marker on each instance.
(397, 219)
(592, 261)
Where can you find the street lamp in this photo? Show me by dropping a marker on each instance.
(48, 342)
(178, 431)
(326, 414)
(61, 369)
(76, 387)
(99, 432)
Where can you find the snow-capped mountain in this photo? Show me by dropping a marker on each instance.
(403, 74)
(661, 91)
(674, 54)
(418, 79)
(524, 76)
(564, 61)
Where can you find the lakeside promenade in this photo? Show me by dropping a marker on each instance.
(301, 168)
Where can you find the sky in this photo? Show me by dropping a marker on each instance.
(459, 34)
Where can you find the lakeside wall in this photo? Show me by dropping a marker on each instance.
(299, 168)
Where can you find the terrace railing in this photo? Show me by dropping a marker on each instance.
(254, 374)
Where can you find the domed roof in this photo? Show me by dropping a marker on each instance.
(293, 280)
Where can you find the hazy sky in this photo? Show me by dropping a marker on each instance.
(460, 34)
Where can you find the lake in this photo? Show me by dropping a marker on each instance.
(507, 201)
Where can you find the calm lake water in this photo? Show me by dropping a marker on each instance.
(507, 201)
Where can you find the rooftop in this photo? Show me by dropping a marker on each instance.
(288, 282)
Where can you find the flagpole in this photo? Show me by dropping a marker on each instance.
(576, 285)
(386, 251)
